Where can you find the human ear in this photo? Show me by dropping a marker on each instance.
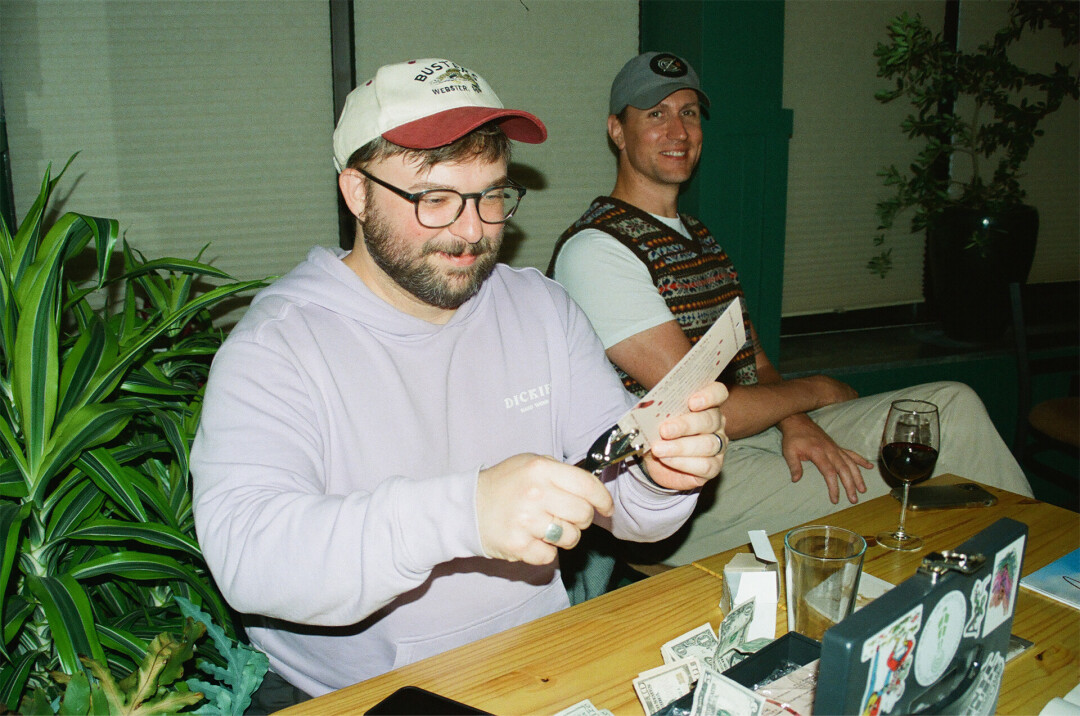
(615, 131)
(353, 190)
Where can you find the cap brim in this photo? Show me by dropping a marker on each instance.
(450, 125)
(653, 97)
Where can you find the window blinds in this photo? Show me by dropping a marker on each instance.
(196, 122)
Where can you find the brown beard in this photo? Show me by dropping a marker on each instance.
(418, 277)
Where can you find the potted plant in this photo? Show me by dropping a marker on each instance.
(976, 115)
(101, 381)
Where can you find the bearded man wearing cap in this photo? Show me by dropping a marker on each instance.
(652, 281)
(384, 465)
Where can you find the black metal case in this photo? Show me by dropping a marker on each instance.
(935, 643)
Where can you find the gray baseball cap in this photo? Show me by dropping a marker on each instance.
(651, 76)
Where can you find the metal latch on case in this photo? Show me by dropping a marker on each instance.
(935, 564)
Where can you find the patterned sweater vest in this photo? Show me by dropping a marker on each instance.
(694, 276)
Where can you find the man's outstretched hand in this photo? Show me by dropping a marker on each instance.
(804, 440)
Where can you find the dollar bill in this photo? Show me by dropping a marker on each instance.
(716, 694)
(700, 643)
(581, 708)
(656, 688)
(732, 635)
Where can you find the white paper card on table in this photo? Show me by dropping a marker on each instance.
(870, 588)
(748, 576)
(701, 366)
(759, 542)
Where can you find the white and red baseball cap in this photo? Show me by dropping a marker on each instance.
(423, 104)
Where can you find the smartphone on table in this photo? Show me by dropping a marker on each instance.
(935, 497)
(415, 701)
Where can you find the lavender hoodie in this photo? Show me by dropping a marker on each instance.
(336, 465)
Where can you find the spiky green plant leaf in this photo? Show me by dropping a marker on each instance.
(13, 677)
(70, 617)
(145, 566)
(153, 534)
(100, 394)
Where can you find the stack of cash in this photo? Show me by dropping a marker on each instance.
(698, 657)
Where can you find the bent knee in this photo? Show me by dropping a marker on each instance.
(954, 396)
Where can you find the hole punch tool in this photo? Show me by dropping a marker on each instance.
(613, 446)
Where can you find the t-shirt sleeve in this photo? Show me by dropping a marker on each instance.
(611, 285)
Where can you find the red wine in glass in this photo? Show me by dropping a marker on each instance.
(909, 451)
(909, 462)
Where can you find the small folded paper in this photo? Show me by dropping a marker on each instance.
(754, 576)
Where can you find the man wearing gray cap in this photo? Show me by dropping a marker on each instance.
(652, 281)
(384, 468)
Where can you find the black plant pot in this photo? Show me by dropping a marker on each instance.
(970, 284)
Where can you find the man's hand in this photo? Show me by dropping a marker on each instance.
(520, 497)
(690, 453)
(805, 440)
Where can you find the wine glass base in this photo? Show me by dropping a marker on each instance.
(901, 541)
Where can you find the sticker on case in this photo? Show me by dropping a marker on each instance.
(940, 637)
(1003, 583)
(980, 596)
(889, 653)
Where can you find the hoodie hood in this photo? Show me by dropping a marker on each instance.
(323, 280)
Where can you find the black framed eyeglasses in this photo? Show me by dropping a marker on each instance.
(437, 208)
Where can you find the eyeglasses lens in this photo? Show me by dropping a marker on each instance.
(436, 209)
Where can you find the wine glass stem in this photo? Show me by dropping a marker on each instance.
(903, 511)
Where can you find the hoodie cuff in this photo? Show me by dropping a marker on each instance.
(646, 484)
(441, 517)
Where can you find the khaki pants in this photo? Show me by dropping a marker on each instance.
(755, 490)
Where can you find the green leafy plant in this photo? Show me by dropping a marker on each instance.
(229, 693)
(977, 115)
(101, 381)
(155, 686)
(143, 692)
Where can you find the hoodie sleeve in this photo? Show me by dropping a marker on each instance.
(275, 541)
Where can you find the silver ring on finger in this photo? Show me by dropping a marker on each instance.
(721, 444)
(553, 533)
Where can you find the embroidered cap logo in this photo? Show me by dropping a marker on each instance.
(460, 80)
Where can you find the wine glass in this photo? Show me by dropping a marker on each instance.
(909, 450)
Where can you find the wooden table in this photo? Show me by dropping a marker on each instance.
(595, 649)
(1052, 666)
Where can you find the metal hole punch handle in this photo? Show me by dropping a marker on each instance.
(611, 447)
(937, 564)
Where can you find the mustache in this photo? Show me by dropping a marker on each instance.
(462, 248)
